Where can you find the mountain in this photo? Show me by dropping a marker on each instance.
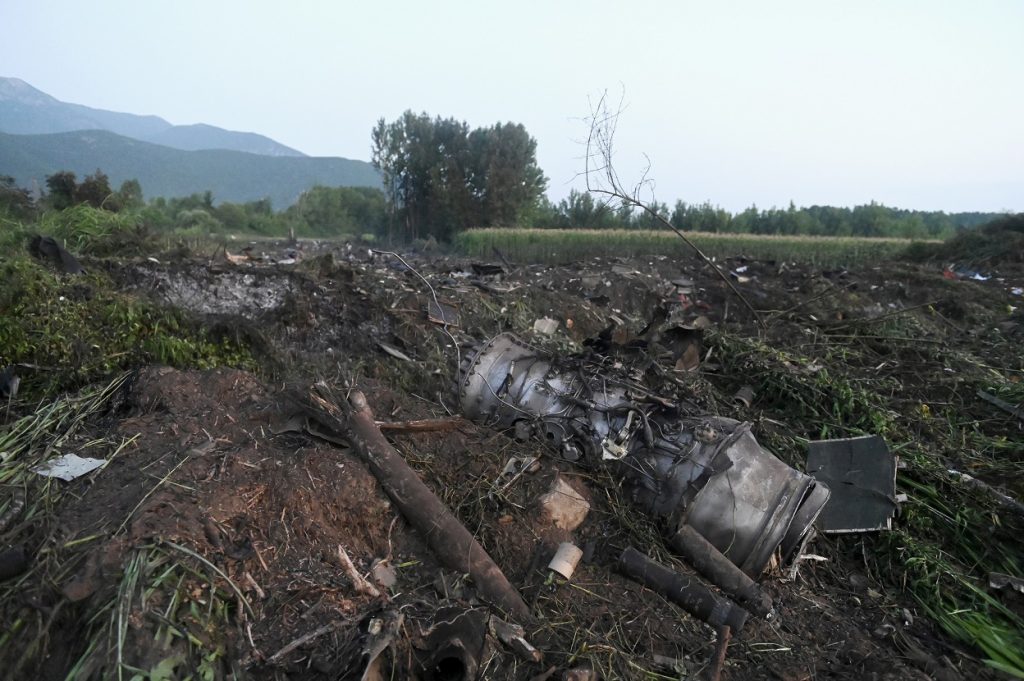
(162, 171)
(202, 136)
(24, 110)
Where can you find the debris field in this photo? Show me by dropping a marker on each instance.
(241, 525)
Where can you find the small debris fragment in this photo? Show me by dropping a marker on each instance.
(565, 560)
(997, 580)
(513, 636)
(394, 352)
(384, 573)
(545, 325)
(744, 396)
(67, 467)
(47, 248)
(564, 506)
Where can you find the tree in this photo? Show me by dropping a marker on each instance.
(95, 190)
(15, 202)
(331, 211)
(129, 195)
(440, 177)
(505, 176)
(61, 187)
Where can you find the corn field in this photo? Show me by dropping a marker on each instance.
(566, 245)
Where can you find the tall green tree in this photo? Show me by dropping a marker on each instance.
(440, 177)
(61, 188)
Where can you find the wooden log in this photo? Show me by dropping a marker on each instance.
(452, 543)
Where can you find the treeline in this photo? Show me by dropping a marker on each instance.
(319, 212)
(581, 210)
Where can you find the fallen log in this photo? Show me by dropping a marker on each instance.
(453, 544)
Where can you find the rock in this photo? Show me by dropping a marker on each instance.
(563, 506)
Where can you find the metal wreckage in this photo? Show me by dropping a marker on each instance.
(726, 503)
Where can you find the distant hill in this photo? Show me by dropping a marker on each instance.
(24, 110)
(162, 171)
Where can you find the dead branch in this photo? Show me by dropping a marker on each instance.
(421, 425)
(724, 634)
(604, 180)
(360, 584)
(453, 544)
(303, 640)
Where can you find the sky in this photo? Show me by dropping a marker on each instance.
(914, 104)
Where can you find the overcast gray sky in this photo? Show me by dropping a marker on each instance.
(914, 104)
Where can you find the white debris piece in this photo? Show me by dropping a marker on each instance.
(545, 325)
(67, 467)
(563, 506)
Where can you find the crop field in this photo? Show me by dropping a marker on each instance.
(564, 245)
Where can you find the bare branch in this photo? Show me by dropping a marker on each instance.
(602, 179)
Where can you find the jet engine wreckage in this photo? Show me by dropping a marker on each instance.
(726, 503)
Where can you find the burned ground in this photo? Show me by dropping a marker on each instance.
(210, 543)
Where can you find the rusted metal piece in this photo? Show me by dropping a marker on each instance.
(686, 592)
(714, 566)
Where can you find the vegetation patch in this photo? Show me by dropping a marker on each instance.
(66, 331)
(566, 245)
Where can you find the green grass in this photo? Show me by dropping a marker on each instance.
(565, 245)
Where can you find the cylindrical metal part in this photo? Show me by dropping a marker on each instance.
(566, 558)
(720, 571)
(686, 592)
(744, 396)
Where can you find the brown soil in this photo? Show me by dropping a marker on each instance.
(207, 473)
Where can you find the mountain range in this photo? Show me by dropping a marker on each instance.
(40, 135)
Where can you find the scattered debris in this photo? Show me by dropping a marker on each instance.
(444, 314)
(47, 248)
(360, 584)
(709, 471)
(394, 352)
(997, 581)
(1002, 404)
(67, 467)
(14, 507)
(383, 572)
(545, 326)
(565, 560)
(861, 472)
(9, 382)
(513, 636)
(711, 563)
(744, 396)
(563, 506)
(456, 643)
(687, 593)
